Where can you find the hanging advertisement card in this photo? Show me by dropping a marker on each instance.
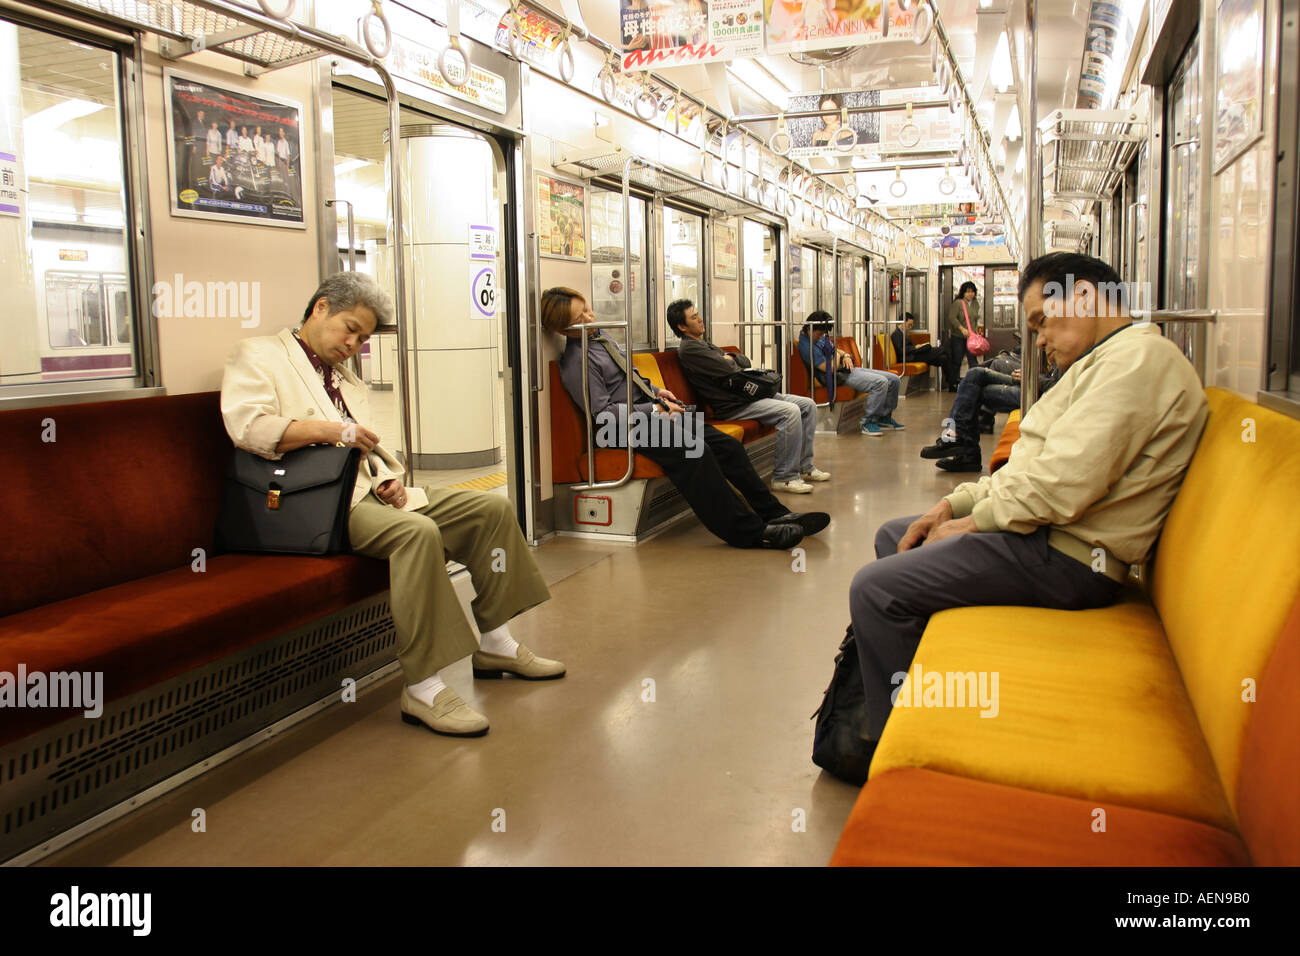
(561, 219)
(818, 135)
(233, 156)
(658, 33)
(797, 25)
(1238, 78)
(724, 249)
(539, 37)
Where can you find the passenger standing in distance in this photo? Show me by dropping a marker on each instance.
(879, 385)
(703, 480)
(1083, 495)
(286, 391)
(708, 368)
(964, 305)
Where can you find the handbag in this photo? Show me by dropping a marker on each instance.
(839, 747)
(976, 344)
(753, 383)
(296, 505)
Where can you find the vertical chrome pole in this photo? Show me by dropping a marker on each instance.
(1033, 245)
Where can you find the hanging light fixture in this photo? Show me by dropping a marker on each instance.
(1000, 72)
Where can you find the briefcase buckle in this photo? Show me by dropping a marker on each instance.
(273, 499)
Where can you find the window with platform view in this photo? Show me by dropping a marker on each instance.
(63, 221)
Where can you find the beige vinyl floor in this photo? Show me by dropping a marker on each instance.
(586, 770)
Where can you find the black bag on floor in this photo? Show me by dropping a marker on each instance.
(838, 745)
(298, 504)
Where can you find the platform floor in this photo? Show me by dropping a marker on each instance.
(584, 770)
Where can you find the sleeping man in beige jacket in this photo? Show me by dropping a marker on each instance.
(1082, 497)
(287, 391)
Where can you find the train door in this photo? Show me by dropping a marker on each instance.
(683, 257)
(460, 383)
(1004, 313)
(1180, 286)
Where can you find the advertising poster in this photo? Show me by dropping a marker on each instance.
(797, 25)
(724, 249)
(234, 156)
(1239, 78)
(675, 32)
(816, 135)
(419, 64)
(561, 219)
(539, 37)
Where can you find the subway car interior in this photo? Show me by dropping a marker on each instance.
(540, 194)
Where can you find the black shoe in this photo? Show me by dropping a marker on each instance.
(809, 521)
(961, 463)
(781, 536)
(943, 448)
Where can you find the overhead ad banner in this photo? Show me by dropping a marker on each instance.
(828, 134)
(659, 33)
(797, 25)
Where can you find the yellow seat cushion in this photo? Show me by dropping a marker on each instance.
(734, 429)
(644, 362)
(1227, 570)
(1089, 704)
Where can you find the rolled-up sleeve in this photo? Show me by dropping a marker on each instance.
(250, 406)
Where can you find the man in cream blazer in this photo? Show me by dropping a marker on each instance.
(286, 391)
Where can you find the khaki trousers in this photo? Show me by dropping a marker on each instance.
(480, 531)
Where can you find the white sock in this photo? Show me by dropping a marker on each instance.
(498, 641)
(427, 689)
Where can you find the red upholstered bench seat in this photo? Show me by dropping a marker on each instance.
(107, 508)
(143, 632)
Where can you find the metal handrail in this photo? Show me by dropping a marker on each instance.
(352, 236)
(626, 326)
(1177, 315)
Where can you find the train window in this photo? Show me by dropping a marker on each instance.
(65, 216)
(683, 253)
(608, 284)
(808, 278)
(826, 283)
(1182, 208)
(759, 254)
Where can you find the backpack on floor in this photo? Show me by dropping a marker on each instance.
(838, 745)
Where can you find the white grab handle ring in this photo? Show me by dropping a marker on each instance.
(944, 76)
(919, 35)
(453, 64)
(566, 61)
(647, 104)
(607, 83)
(898, 188)
(837, 138)
(947, 185)
(909, 134)
(270, 11)
(780, 142)
(954, 99)
(377, 50)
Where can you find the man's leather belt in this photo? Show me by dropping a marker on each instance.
(1081, 551)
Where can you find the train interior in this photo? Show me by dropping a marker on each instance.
(151, 220)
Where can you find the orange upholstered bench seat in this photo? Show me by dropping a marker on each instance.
(883, 353)
(569, 434)
(917, 817)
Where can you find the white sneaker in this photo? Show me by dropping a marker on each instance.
(795, 486)
(817, 475)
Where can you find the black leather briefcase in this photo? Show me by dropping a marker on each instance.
(297, 505)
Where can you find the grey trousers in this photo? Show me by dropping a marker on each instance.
(795, 418)
(892, 598)
(480, 531)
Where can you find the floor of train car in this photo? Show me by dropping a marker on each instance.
(739, 646)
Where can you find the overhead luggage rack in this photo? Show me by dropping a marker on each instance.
(186, 28)
(1084, 151)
